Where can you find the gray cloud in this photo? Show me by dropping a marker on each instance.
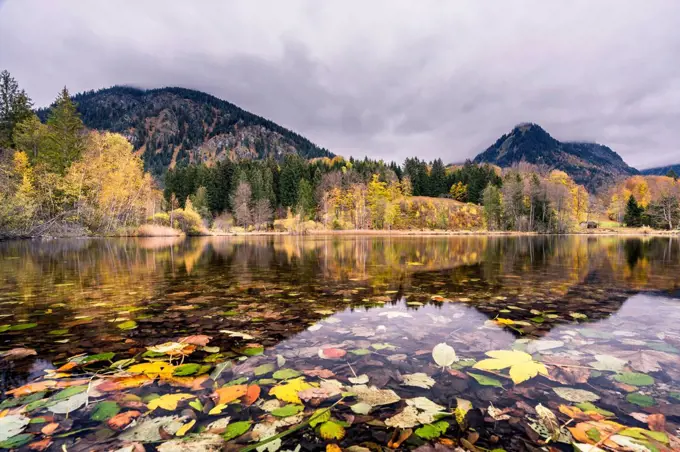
(388, 79)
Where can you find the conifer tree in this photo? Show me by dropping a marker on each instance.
(633, 216)
(15, 107)
(65, 141)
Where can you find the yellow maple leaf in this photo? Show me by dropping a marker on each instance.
(524, 371)
(152, 369)
(522, 365)
(169, 401)
(288, 391)
(502, 321)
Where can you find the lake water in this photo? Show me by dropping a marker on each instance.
(281, 328)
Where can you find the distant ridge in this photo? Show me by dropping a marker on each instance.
(593, 165)
(661, 170)
(170, 126)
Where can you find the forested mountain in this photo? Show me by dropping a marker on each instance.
(176, 125)
(661, 170)
(593, 165)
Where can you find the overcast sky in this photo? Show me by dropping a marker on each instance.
(387, 79)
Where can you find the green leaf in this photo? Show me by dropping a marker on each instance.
(587, 406)
(432, 431)
(640, 399)
(640, 433)
(22, 326)
(104, 411)
(252, 351)
(128, 325)
(197, 405)
(285, 374)
(98, 357)
(288, 410)
(486, 381)
(264, 369)
(320, 416)
(186, 369)
(593, 434)
(16, 441)
(236, 429)
(68, 392)
(12, 402)
(361, 352)
(634, 379)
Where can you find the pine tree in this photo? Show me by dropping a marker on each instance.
(65, 141)
(438, 185)
(493, 209)
(15, 107)
(633, 216)
(672, 174)
(305, 198)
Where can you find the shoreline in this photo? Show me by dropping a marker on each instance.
(624, 232)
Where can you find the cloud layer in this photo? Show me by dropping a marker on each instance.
(387, 79)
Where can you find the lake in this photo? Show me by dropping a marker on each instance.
(341, 343)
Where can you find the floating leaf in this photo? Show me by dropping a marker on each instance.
(608, 363)
(587, 406)
(128, 325)
(444, 355)
(227, 394)
(359, 380)
(331, 430)
(287, 410)
(253, 350)
(264, 369)
(331, 353)
(642, 400)
(70, 404)
(486, 381)
(576, 395)
(361, 408)
(183, 430)
(634, 379)
(288, 391)
(153, 369)
(169, 401)
(374, 396)
(104, 411)
(432, 431)
(521, 364)
(285, 374)
(320, 416)
(236, 429)
(148, 429)
(237, 334)
(16, 441)
(98, 357)
(419, 380)
(186, 369)
(11, 425)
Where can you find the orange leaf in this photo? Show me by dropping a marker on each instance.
(200, 340)
(322, 373)
(30, 388)
(194, 383)
(332, 353)
(50, 428)
(118, 384)
(657, 422)
(66, 367)
(252, 394)
(41, 445)
(229, 393)
(121, 420)
(333, 448)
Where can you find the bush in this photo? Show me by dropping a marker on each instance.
(155, 230)
(189, 221)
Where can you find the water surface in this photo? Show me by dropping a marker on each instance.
(601, 314)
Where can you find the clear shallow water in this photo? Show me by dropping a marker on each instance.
(573, 303)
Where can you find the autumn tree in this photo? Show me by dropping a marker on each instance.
(241, 204)
(493, 208)
(458, 191)
(262, 213)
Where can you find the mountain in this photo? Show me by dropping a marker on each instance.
(661, 170)
(169, 126)
(589, 164)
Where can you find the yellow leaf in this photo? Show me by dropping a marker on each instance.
(524, 371)
(217, 409)
(333, 448)
(331, 430)
(288, 392)
(511, 356)
(491, 364)
(185, 428)
(228, 394)
(169, 401)
(502, 321)
(152, 369)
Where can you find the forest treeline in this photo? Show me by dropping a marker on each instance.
(58, 177)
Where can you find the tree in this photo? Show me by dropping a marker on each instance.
(305, 199)
(65, 140)
(633, 215)
(30, 136)
(377, 198)
(458, 191)
(241, 204)
(262, 213)
(438, 184)
(671, 173)
(15, 107)
(493, 209)
(665, 212)
(199, 200)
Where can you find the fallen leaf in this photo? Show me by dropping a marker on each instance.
(331, 353)
(17, 353)
(419, 380)
(168, 401)
(331, 430)
(521, 364)
(576, 395)
(374, 396)
(11, 425)
(227, 394)
(122, 420)
(444, 355)
(288, 391)
(200, 340)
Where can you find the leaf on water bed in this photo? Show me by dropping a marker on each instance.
(11, 425)
(71, 404)
(576, 395)
(104, 411)
(522, 366)
(288, 410)
(419, 380)
(486, 381)
(169, 401)
(288, 391)
(331, 430)
(148, 430)
(444, 355)
(642, 400)
(634, 379)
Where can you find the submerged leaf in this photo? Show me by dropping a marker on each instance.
(634, 379)
(331, 430)
(11, 425)
(444, 355)
(288, 391)
(576, 395)
(169, 401)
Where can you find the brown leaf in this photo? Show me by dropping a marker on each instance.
(41, 445)
(458, 374)
(229, 393)
(321, 373)
(200, 340)
(17, 353)
(565, 371)
(118, 384)
(49, 428)
(657, 422)
(252, 394)
(121, 420)
(398, 437)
